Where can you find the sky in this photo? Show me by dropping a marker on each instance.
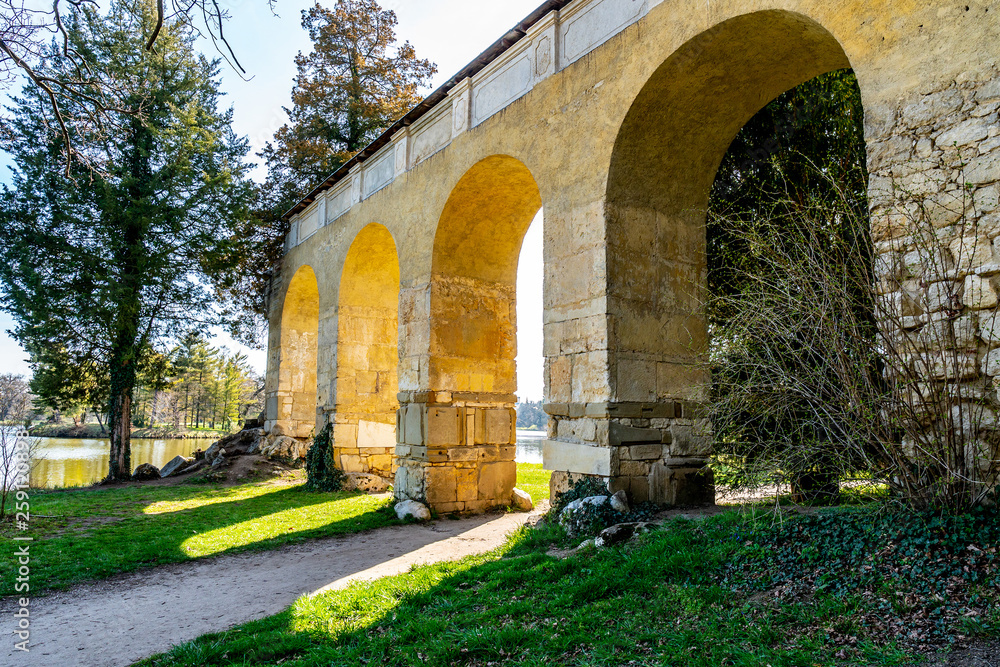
(448, 32)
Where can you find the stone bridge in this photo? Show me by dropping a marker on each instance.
(393, 316)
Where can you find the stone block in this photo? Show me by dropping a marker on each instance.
(468, 484)
(487, 453)
(413, 424)
(442, 485)
(979, 293)
(646, 452)
(690, 439)
(621, 434)
(561, 456)
(352, 463)
(462, 454)
(639, 489)
(380, 463)
(443, 427)
(634, 468)
(496, 481)
(500, 427)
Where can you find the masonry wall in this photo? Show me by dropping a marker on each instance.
(624, 248)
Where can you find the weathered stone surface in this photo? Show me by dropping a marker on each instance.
(411, 508)
(145, 472)
(619, 502)
(176, 465)
(365, 483)
(979, 293)
(522, 501)
(285, 448)
(621, 533)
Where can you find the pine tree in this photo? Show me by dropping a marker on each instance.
(355, 83)
(105, 263)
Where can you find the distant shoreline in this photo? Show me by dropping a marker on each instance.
(95, 432)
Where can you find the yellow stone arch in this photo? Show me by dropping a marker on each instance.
(367, 355)
(476, 249)
(664, 163)
(297, 365)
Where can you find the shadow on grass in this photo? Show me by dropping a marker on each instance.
(652, 603)
(131, 542)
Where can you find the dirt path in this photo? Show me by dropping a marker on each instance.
(119, 621)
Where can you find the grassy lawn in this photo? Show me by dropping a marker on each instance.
(102, 532)
(533, 480)
(722, 591)
(97, 533)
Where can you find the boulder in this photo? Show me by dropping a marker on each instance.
(359, 481)
(176, 466)
(621, 533)
(244, 442)
(284, 447)
(146, 472)
(220, 459)
(522, 501)
(619, 502)
(414, 509)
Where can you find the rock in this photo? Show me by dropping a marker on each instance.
(284, 447)
(522, 501)
(621, 533)
(412, 508)
(245, 442)
(619, 502)
(146, 472)
(175, 466)
(220, 459)
(359, 481)
(582, 515)
(196, 466)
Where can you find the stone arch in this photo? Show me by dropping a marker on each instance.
(296, 397)
(665, 158)
(367, 355)
(458, 437)
(474, 275)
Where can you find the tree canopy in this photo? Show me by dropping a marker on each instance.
(101, 265)
(354, 84)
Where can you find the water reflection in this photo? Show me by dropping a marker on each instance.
(66, 462)
(529, 446)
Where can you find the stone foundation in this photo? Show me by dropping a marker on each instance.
(656, 452)
(456, 451)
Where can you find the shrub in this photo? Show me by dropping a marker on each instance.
(323, 474)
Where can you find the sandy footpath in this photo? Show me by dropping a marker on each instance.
(127, 618)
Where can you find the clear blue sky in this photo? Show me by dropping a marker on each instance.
(449, 32)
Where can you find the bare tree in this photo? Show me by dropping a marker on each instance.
(19, 453)
(845, 356)
(28, 26)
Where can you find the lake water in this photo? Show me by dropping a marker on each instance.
(67, 462)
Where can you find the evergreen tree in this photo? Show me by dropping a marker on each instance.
(105, 263)
(355, 83)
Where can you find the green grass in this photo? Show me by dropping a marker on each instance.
(806, 591)
(101, 532)
(533, 480)
(97, 533)
(655, 602)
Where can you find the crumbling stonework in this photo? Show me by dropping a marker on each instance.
(935, 186)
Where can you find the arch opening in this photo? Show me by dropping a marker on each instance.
(297, 365)
(460, 444)
(665, 161)
(367, 355)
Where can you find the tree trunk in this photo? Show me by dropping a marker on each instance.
(123, 376)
